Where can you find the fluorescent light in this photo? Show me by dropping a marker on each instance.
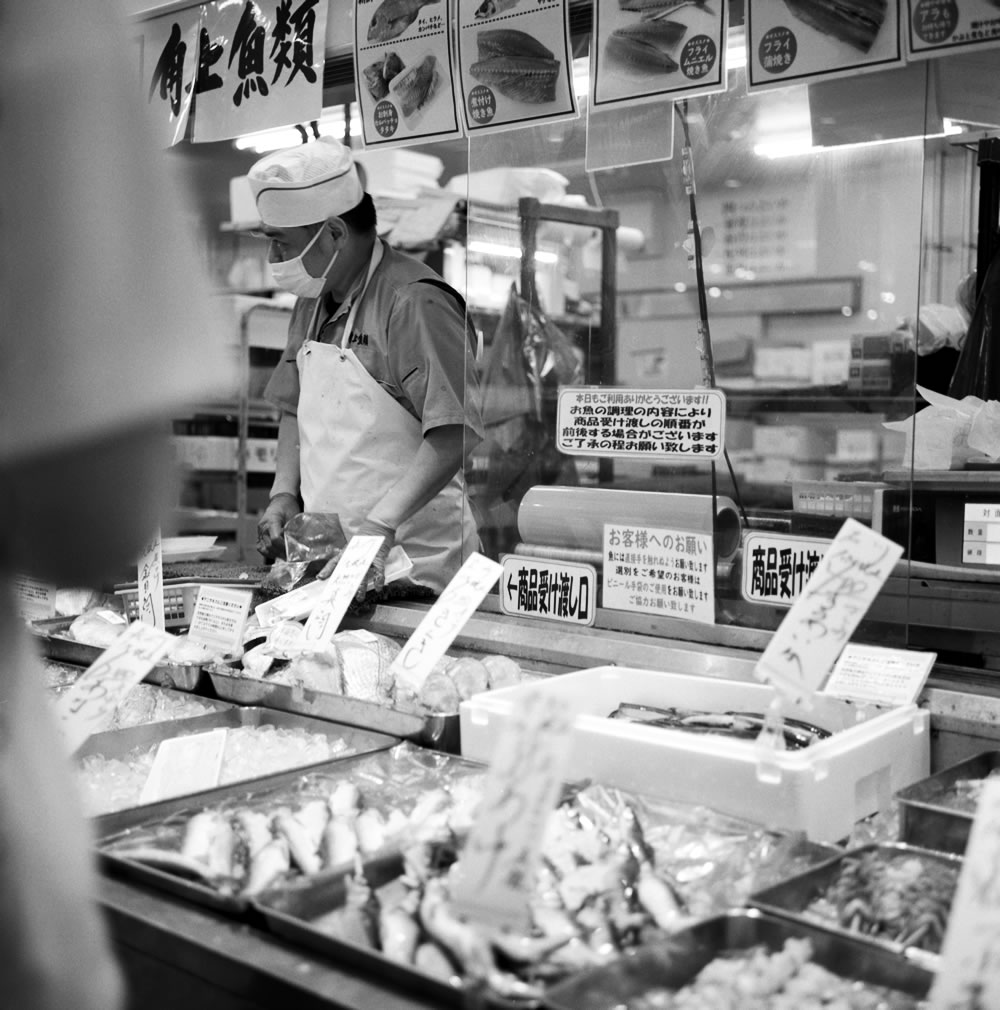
(794, 146)
(509, 251)
(331, 123)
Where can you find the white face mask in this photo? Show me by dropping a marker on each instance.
(292, 275)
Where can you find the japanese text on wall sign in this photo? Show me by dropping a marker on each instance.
(555, 590)
(776, 569)
(679, 424)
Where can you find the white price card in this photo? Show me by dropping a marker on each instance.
(150, 573)
(220, 615)
(430, 641)
(822, 620)
(36, 600)
(88, 706)
(185, 764)
(968, 976)
(869, 673)
(495, 878)
(339, 589)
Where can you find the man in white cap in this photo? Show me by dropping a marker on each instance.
(378, 386)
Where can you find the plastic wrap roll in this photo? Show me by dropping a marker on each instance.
(574, 517)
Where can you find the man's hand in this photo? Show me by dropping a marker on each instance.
(369, 528)
(271, 527)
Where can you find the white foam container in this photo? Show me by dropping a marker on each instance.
(822, 789)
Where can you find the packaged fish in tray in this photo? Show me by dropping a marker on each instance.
(743, 946)
(937, 812)
(892, 895)
(220, 847)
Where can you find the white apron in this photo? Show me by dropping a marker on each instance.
(356, 441)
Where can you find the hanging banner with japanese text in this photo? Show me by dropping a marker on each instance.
(810, 40)
(644, 52)
(260, 66)
(938, 27)
(515, 61)
(168, 55)
(403, 72)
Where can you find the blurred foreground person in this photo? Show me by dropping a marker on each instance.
(106, 333)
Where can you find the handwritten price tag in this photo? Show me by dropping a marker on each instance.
(868, 673)
(87, 707)
(969, 972)
(832, 604)
(430, 641)
(151, 583)
(495, 877)
(185, 764)
(220, 615)
(340, 589)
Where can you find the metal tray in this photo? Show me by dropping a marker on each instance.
(791, 897)
(924, 820)
(674, 963)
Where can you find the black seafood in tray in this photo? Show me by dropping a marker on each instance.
(517, 65)
(856, 22)
(379, 75)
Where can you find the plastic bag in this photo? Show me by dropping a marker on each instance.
(311, 540)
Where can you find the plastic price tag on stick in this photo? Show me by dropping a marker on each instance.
(339, 589)
(88, 706)
(495, 877)
(823, 618)
(185, 764)
(220, 615)
(150, 574)
(430, 641)
(968, 974)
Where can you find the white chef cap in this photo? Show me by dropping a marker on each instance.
(305, 184)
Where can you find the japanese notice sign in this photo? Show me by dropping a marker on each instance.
(88, 706)
(981, 534)
(936, 27)
(168, 48)
(553, 590)
(807, 40)
(443, 621)
(496, 875)
(339, 590)
(404, 76)
(515, 63)
(823, 618)
(776, 569)
(36, 600)
(683, 424)
(968, 976)
(644, 52)
(219, 617)
(185, 764)
(150, 572)
(659, 571)
(868, 673)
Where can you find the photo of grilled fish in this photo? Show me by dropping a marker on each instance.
(517, 65)
(393, 17)
(856, 22)
(489, 8)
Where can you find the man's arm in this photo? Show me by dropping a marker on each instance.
(285, 501)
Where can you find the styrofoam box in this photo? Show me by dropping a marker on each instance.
(822, 789)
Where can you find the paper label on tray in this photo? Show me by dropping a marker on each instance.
(495, 876)
(340, 589)
(150, 575)
(969, 971)
(185, 764)
(430, 641)
(36, 600)
(822, 620)
(88, 706)
(220, 615)
(868, 673)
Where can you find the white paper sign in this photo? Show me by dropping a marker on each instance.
(169, 52)
(36, 600)
(868, 673)
(219, 617)
(937, 27)
(552, 590)
(339, 589)
(674, 424)
(150, 574)
(430, 641)
(776, 569)
(968, 976)
(185, 764)
(495, 877)
(822, 620)
(88, 706)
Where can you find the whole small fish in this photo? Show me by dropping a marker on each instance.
(488, 8)
(393, 17)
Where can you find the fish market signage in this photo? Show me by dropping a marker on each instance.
(812, 40)
(776, 569)
(515, 63)
(551, 590)
(937, 27)
(653, 49)
(403, 71)
(686, 424)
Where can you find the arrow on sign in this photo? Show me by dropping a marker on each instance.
(510, 585)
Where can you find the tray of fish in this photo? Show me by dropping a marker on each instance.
(616, 872)
(113, 766)
(220, 847)
(937, 812)
(743, 958)
(893, 895)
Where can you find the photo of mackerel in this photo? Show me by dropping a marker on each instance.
(516, 65)
(646, 46)
(855, 22)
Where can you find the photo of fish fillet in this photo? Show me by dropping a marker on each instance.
(379, 75)
(416, 87)
(393, 17)
(630, 49)
(856, 22)
(517, 65)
